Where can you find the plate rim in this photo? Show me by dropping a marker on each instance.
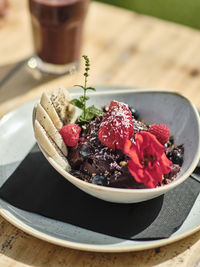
(90, 247)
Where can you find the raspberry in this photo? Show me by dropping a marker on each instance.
(70, 134)
(116, 126)
(161, 131)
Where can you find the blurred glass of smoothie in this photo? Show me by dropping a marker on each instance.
(3, 8)
(57, 27)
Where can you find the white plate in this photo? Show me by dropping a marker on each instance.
(16, 139)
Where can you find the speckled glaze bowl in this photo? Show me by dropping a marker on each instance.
(166, 107)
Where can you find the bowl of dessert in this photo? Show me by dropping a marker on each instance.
(125, 146)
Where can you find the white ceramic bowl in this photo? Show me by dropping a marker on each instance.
(169, 108)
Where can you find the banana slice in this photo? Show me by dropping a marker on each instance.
(43, 118)
(61, 102)
(47, 104)
(49, 146)
(71, 111)
(49, 116)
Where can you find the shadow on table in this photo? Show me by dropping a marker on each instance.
(17, 79)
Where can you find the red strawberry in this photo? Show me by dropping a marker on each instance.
(116, 126)
(161, 131)
(117, 104)
(70, 134)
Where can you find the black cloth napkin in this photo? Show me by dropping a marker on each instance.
(36, 187)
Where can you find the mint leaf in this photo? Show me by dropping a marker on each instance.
(77, 85)
(77, 103)
(81, 118)
(90, 88)
(86, 118)
(95, 111)
(84, 98)
(87, 113)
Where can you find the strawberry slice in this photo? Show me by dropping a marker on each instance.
(116, 126)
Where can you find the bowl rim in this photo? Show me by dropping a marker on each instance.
(159, 190)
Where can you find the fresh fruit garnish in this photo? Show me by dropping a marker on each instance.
(116, 126)
(88, 113)
(70, 134)
(161, 131)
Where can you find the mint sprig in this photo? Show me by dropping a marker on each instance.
(87, 112)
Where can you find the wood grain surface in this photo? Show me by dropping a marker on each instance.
(125, 49)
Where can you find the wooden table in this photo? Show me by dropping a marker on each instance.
(125, 49)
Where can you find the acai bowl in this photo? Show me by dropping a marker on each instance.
(110, 153)
(153, 106)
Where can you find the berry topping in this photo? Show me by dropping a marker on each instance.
(99, 180)
(177, 157)
(161, 131)
(134, 113)
(70, 134)
(116, 126)
(84, 151)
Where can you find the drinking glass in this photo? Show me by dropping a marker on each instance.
(57, 27)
